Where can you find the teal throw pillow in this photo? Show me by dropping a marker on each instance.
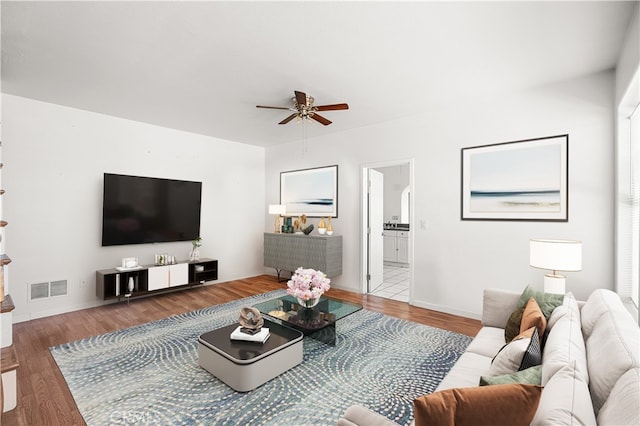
(547, 301)
(531, 376)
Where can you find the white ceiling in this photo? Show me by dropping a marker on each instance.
(204, 66)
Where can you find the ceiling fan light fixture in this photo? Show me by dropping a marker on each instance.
(303, 108)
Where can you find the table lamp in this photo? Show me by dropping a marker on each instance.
(278, 210)
(556, 255)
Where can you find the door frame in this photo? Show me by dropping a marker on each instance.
(364, 213)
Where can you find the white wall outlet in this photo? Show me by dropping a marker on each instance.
(424, 224)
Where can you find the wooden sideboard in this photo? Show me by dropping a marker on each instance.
(288, 252)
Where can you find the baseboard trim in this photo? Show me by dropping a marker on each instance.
(447, 310)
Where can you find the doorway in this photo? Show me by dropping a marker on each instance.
(387, 234)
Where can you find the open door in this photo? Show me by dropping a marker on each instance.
(375, 266)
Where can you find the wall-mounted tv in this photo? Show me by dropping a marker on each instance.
(138, 210)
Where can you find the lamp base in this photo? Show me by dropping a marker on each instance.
(554, 284)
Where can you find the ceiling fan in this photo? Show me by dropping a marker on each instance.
(303, 108)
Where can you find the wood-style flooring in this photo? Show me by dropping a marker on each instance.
(43, 395)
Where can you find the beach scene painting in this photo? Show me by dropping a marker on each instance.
(313, 192)
(523, 180)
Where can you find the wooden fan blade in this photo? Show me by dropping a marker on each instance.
(321, 119)
(272, 107)
(288, 119)
(332, 107)
(301, 98)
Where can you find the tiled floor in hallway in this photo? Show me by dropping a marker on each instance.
(395, 284)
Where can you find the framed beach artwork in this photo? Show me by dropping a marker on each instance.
(520, 180)
(313, 192)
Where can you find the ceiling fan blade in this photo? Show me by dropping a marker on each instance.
(301, 98)
(288, 119)
(321, 119)
(272, 107)
(332, 107)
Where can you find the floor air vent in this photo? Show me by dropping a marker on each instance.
(39, 291)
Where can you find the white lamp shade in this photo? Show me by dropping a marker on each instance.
(556, 255)
(279, 209)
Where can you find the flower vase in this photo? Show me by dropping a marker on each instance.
(194, 255)
(308, 303)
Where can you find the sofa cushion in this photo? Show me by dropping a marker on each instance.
(623, 405)
(519, 354)
(511, 404)
(487, 342)
(466, 371)
(547, 301)
(533, 317)
(612, 350)
(531, 376)
(599, 302)
(512, 328)
(497, 305)
(565, 343)
(565, 400)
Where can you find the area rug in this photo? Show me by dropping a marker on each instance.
(149, 374)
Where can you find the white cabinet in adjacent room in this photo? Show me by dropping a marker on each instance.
(402, 243)
(396, 246)
(390, 248)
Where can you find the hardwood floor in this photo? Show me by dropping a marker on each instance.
(43, 395)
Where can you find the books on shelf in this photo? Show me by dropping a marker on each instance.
(259, 337)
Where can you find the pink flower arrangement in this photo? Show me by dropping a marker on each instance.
(307, 284)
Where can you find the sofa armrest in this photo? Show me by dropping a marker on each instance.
(497, 306)
(357, 415)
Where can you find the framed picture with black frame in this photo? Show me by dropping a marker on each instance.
(523, 180)
(313, 192)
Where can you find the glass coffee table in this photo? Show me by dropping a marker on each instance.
(318, 322)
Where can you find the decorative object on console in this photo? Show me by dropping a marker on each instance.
(313, 192)
(195, 253)
(307, 285)
(278, 210)
(130, 285)
(307, 230)
(521, 180)
(555, 255)
(329, 226)
(322, 227)
(251, 320)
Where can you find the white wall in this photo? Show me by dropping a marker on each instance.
(54, 161)
(396, 179)
(455, 260)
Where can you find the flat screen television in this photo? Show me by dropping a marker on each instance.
(138, 210)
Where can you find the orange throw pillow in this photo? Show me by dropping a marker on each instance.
(533, 317)
(509, 404)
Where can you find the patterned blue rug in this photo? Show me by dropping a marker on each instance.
(149, 374)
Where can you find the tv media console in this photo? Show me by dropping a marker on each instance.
(152, 279)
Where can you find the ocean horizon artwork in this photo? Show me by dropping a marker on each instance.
(522, 180)
(313, 192)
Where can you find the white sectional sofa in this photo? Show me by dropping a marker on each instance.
(590, 369)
